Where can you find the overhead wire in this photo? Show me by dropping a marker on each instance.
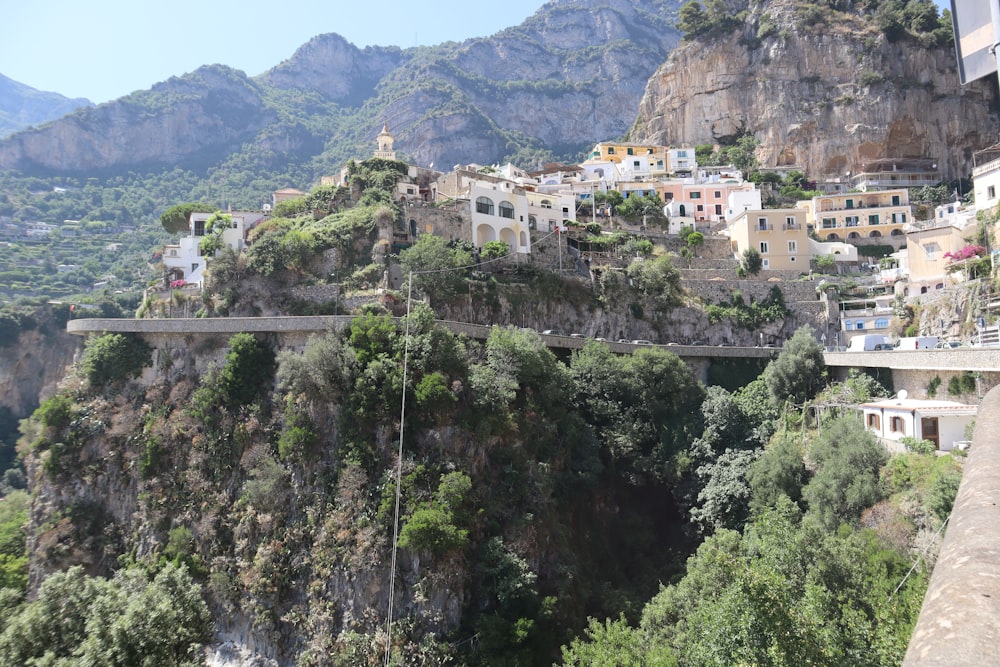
(402, 416)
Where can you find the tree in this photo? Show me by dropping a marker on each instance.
(692, 20)
(212, 242)
(780, 471)
(643, 408)
(495, 250)
(694, 240)
(751, 263)
(439, 270)
(743, 154)
(122, 622)
(176, 219)
(847, 459)
(112, 357)
(799, 371)
(657, 278)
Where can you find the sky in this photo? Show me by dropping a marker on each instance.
(105, 49)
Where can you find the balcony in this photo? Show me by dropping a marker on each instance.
(988, 168)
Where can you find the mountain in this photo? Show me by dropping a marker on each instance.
(570, 75)
(824, 92)
(22, 106)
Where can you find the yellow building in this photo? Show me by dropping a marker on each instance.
(852, 216)
(926, 250)
(635, 159)
(778, 234)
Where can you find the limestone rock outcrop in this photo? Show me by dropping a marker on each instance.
(825, 98)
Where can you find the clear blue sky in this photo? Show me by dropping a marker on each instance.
(104, 49)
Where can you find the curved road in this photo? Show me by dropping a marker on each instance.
(319, 323)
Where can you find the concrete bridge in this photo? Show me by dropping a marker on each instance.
(914, 370)
(294, 327)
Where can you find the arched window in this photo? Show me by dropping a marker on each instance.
(506, 210)
(875, 234)
(882, 323)
(484, 205)
(532, 222)
(833, 237)
(853, 235)
(545, 203)
(896, 232)
(848, 324)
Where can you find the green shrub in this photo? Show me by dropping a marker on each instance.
(943, 489)
(248, 370)
(432, 527)
(113, 357)
(55, 413)
(917, 446)
(149, 465)
(298, 437)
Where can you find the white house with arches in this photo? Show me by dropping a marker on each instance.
(500, 213)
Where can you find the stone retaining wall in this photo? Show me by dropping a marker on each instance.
(958, 620)
(714, 291)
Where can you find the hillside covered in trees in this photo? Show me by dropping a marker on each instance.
(254, 484)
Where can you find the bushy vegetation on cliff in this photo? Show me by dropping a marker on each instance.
(535, 491)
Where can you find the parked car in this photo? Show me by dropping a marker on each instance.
(624, 340)
(917, 343)
(884, 346)
(577, 335)
(867, 342)
(949, 345)
(553, 332)
(642, 341)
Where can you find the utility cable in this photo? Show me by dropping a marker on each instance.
(402, 416)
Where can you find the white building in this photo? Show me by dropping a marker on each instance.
(681, 161)
(941, 422)
(500, 213)
(986, 177)
(184, 262)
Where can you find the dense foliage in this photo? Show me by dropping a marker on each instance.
(136, 618)
(517, 470)
(113, 357)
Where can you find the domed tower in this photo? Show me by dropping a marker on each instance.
(385, 141)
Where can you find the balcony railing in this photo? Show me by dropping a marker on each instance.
(863, 207)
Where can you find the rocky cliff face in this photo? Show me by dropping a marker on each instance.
(825, 98)
(34, 365)
(567, 77)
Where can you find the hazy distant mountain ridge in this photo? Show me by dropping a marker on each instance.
(22, 106)
(183, 120)
(568, 76)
